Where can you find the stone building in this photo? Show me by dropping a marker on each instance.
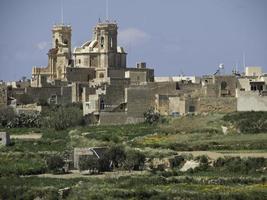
(4, 139)
(59, 57)
(102, 52)
(93, 153)
(96, 74)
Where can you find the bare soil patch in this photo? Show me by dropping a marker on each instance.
(30, 136)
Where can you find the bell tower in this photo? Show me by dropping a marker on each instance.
(61, 42)
(106, 35)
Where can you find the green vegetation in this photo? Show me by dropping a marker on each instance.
(158, 187)
(152, 116)
(25, 99)
(15, 164)
(61, 118)
(55, 163)
(248, 122)
(6, 115)
(51, 140)
(130, 148)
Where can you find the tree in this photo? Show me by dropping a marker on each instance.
(117, 155)
(135, 160)
(55, 163)
(7, 114)
(104, 162)
(151, 116)
(63, 117)
(42, 101)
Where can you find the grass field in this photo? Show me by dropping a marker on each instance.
(197, 135)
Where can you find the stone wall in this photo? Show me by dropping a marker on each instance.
(230, 87)
(139, 100)
(115, 93)
(80, 74)
(217, 104)
(63, 93)
(3, 95)
(117, 118)
(251, 101)
(112, 118)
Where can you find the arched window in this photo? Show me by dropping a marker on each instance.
(223, 85)
(111, 43)
(101, 75)
(56, 42)
(102, 42)
(65, 41)
(102, 104)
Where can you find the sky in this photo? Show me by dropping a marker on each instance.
(189, 37)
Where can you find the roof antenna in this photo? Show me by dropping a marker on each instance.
(62, 14)
(107, 11)
(244, 62)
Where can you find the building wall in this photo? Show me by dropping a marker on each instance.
(217, 104)
(231, 84)
(117, 118)
(80, 74)
(136, 77)
(139, 101)
(243, 83)
(3, 96)
(174, 105)
(63, 93)
(192, 79)
(115, 93)
(253, 71)
(251, 101)
(113, 118)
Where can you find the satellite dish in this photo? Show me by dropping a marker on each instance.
(221, 66)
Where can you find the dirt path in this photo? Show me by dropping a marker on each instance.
(215, 155)
(77, 174)
(31, 136)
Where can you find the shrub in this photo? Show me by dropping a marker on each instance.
(135, 160)
(55, 163)
(25, 99)
(244, 165)
(7, 114)
(62, 118)
(117, 155)
(21, 164)
(248, 122)
(152, 116)
(177, 161)
(42, 102)
(25, 121)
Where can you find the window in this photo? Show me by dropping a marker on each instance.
(102, 42)
(56, 42)
(101, 75)
(111, 43)
(79, 61)
(102, 104)
(223, 85)
(65, 41)
(191, 108)
(177, 86)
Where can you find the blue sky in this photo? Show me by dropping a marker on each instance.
(173, 36)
